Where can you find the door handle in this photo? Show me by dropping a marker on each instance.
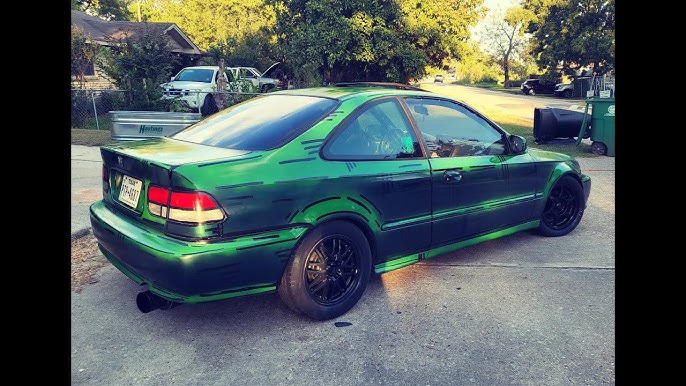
(452, 176)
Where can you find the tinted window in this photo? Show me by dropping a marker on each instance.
(451, 130)
(377, 131)
(261, 123)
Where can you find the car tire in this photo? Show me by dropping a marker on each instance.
(563, 209)
(532, 92)
(328, 271)
(567, 93)
(598, 148)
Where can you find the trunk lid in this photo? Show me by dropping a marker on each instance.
(130, 168)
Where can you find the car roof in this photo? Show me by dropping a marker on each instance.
(368, 90)
(203, 67)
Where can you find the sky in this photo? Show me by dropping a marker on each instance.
(493, 6)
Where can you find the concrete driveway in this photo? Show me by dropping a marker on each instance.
(519, 310)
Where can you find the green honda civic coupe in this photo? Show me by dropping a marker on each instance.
(308, 191)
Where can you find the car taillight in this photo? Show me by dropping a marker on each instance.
(192, 207)
(105, 179)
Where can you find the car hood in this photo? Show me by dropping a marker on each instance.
(268, 73)
(185, 85)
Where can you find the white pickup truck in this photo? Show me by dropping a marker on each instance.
(193, 85)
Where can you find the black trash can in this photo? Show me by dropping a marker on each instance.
(551, 123)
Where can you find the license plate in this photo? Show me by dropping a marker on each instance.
(130, 191)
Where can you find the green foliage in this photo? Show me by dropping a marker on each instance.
(106, 9)
(475, 66)
(439, 28)
(503, 37)
(324, 41)
(212, 22)
(379, 40)
(139, 63)
(253, 50)
(573, 33)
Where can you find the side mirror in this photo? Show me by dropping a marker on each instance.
(517, 144)
(172, 79)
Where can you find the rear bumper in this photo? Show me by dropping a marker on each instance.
(191, 272)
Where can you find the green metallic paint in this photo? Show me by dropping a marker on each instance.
(409, 260)
(179, 298)
(272, 198)
(218, 269)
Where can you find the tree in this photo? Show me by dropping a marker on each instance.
(211, 22)
(570, 34)
(139, 63)
(381, 40)
(440, 28)
(476, 66)
(504, 37)
(83, 53)
(107, 9)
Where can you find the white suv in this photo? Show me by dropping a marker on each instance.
(193, 85)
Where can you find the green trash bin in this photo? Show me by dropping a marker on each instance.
(602, 125)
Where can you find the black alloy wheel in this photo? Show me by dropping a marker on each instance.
(328, 271)
(332, 269)
(563, 209)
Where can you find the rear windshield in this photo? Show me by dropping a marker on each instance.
(262, 123)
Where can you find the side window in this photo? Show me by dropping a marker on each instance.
(451, 130)
(378, 131)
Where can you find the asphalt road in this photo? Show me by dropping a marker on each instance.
(519, 310)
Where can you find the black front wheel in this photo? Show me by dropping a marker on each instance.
(567, 93)
(563, 209)
(328, 271)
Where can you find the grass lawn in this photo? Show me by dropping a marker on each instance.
(91, 137)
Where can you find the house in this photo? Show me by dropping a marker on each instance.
(100, 29)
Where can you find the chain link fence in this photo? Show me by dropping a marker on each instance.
(90, 108)
(596, 84)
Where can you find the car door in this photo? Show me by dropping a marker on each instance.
(386, 171)
(469, 184)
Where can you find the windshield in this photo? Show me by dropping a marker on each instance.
(195, 75)
(261, 123)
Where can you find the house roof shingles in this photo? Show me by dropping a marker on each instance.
(100, 29)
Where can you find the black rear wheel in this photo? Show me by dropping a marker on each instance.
(328, 271)
(563, 209)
